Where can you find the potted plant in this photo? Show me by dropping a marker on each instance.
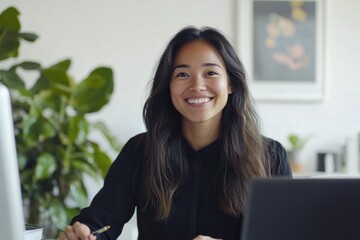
(52, 129)
(296, 144)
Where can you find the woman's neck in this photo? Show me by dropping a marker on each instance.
(199, 135)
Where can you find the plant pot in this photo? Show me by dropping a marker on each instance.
(295, 162)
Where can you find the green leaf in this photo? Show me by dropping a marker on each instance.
(78, 194)
(50, 100)
(11, 80)
(36, 128)
(55, 78)
(62, 66)
(9, 47)
(84, 166)
(28, 65)
(58, 214)
(72, 212)
(9, 28)
(25, 176)
(9, 19)
(47, 130)
(78, 129)
(59, 81)
(111, 138)
(91, 94)
(105, 72)
(297, 142)
(41, 83)
(45, 166)
(30, 131)
(102, 160)
(30, 37)
(22, 160)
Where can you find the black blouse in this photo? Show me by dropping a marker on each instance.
(194, 211)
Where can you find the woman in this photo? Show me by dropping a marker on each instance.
(188, 174)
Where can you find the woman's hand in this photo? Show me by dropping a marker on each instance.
(201, 237)
(77, 231)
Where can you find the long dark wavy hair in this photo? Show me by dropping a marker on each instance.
(242, 150)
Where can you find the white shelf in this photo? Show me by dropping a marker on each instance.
(325, 175)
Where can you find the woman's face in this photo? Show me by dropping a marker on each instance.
(199, 85)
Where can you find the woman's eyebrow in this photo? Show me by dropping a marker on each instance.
(181, 66)
(203, 65)
(211, 65)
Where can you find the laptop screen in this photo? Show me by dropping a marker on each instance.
(306, 209)
(11, 211)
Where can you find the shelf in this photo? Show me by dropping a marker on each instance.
(325, 175)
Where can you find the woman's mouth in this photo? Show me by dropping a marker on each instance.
(198, 100)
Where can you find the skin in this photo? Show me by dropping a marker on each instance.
(77, 231)
(199, 90)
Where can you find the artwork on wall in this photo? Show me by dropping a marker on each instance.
(281, 45)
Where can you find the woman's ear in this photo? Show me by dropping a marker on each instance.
(230, 89)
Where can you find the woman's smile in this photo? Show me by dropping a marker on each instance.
(198, 100)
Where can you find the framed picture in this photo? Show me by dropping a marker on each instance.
(280, 43)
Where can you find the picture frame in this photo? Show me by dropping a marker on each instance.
(280, 43)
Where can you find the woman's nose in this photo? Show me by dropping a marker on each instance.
(197, 84)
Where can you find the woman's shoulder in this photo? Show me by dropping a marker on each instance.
(277, 157)
(133, 146)
(137, 142)
(137, 139)
(272, 145)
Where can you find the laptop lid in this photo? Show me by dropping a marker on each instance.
(11, 210)
(306, 209)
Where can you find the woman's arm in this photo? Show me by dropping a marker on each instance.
(115, 203)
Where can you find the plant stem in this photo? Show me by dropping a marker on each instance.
(34, 212)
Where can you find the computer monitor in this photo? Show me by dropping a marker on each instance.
(11, 210)
(303, 209)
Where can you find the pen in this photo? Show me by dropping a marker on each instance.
(101, 230)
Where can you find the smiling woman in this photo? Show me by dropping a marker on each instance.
(188, 175)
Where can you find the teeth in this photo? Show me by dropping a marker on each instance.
(198, 100)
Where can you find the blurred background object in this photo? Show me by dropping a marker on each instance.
(52, 131)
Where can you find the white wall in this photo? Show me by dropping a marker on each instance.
(130, 36)
(126, 35)
(337, 117)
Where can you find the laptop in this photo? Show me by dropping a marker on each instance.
(302, 209)
(11, 210)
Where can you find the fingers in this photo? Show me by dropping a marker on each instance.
(77, 231)
(70, 234)
(81, 230)
(62, 236)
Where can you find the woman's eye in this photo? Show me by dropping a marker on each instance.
(182, 74)
(211, 73)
